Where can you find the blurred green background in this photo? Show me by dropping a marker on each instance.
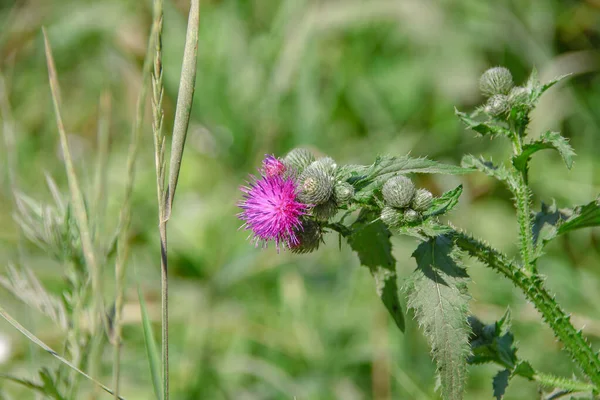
(351, 79)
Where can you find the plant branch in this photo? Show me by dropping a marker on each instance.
(532, 287)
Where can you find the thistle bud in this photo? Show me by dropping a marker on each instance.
(422, 200)
(518, 96)
(328, 163)
(391, 217)
(398, 191)
(411, 216)
(497, 80)
(325, 211)
(315, 185)
(310, 236)
(497, 105)
(298, 159)
(343, 192)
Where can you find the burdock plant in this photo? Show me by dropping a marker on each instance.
(380, 200)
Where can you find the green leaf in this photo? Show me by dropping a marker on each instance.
(549, 140)
(370, 238)
(499, 172)
(500, 383)
(552, 221)
(493, 343)
(50, 386)
(525, 370)
(583, 217)
(151, 350)
(444, 203)
(437, 292)
(537, 89)
(373, 177)
(483, 128)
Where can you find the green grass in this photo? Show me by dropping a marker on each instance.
(350, 79)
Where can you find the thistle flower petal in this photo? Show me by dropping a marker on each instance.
(270, 210)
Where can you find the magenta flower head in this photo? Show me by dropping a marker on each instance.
(272, 166)
(271, 210)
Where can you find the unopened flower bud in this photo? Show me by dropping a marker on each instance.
(391, 217)
(298, 159)
(497, 105)
(398, 191)
(325, 211)
(497, 80)
(310, 236)
(343, 192)
(411, 216)
(518, 96)
(422, 200)
(328, 163)
(315, 185)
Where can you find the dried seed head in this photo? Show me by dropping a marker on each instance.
(343, 192)
(298, 159)
(411, 216)
(422, 201)
(398, 191)
(315, 184)
(310, 236)
(392, 217)
(497, 80)
(497, 105)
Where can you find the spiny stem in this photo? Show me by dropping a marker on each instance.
(533, 288)
(522, 195)
(556, 382)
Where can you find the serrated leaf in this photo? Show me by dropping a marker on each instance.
(525, 370)
(151, 350)
(444, 203)
(493, 343)
(437, 292)
(545, 225)
(481, 127)
(549, 140)
(583, 217)
(370, 238)
(500, 383)
(499, 172)
(551, 221)
(384, 168)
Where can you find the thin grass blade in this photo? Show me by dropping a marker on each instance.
(151, 350)
(184, 100)
(49, 350)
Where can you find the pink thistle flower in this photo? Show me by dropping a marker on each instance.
(272, 166)
(271, 211)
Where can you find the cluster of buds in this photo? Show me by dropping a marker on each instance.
(317, 184)
(497, 85)
(404, 204)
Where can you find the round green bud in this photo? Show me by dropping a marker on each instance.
(298, 159)
(343, 192)
(325, 211)
(411, 216)
(328, 163)
(315, 185)
(422, 200)
(497, 80)
(392, 217)
(310, 236)
(518, 96)
(497, 105)
(398, 191)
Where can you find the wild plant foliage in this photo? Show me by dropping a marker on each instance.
(297, 198)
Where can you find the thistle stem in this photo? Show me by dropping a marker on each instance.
(533, 288)
(522, 195)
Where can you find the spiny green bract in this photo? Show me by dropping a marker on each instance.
(315, 184)
(298, 159)
(343, 192)
(422, 200)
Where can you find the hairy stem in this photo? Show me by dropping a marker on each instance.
(533, 288)
(555, 382)
(523, 205)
